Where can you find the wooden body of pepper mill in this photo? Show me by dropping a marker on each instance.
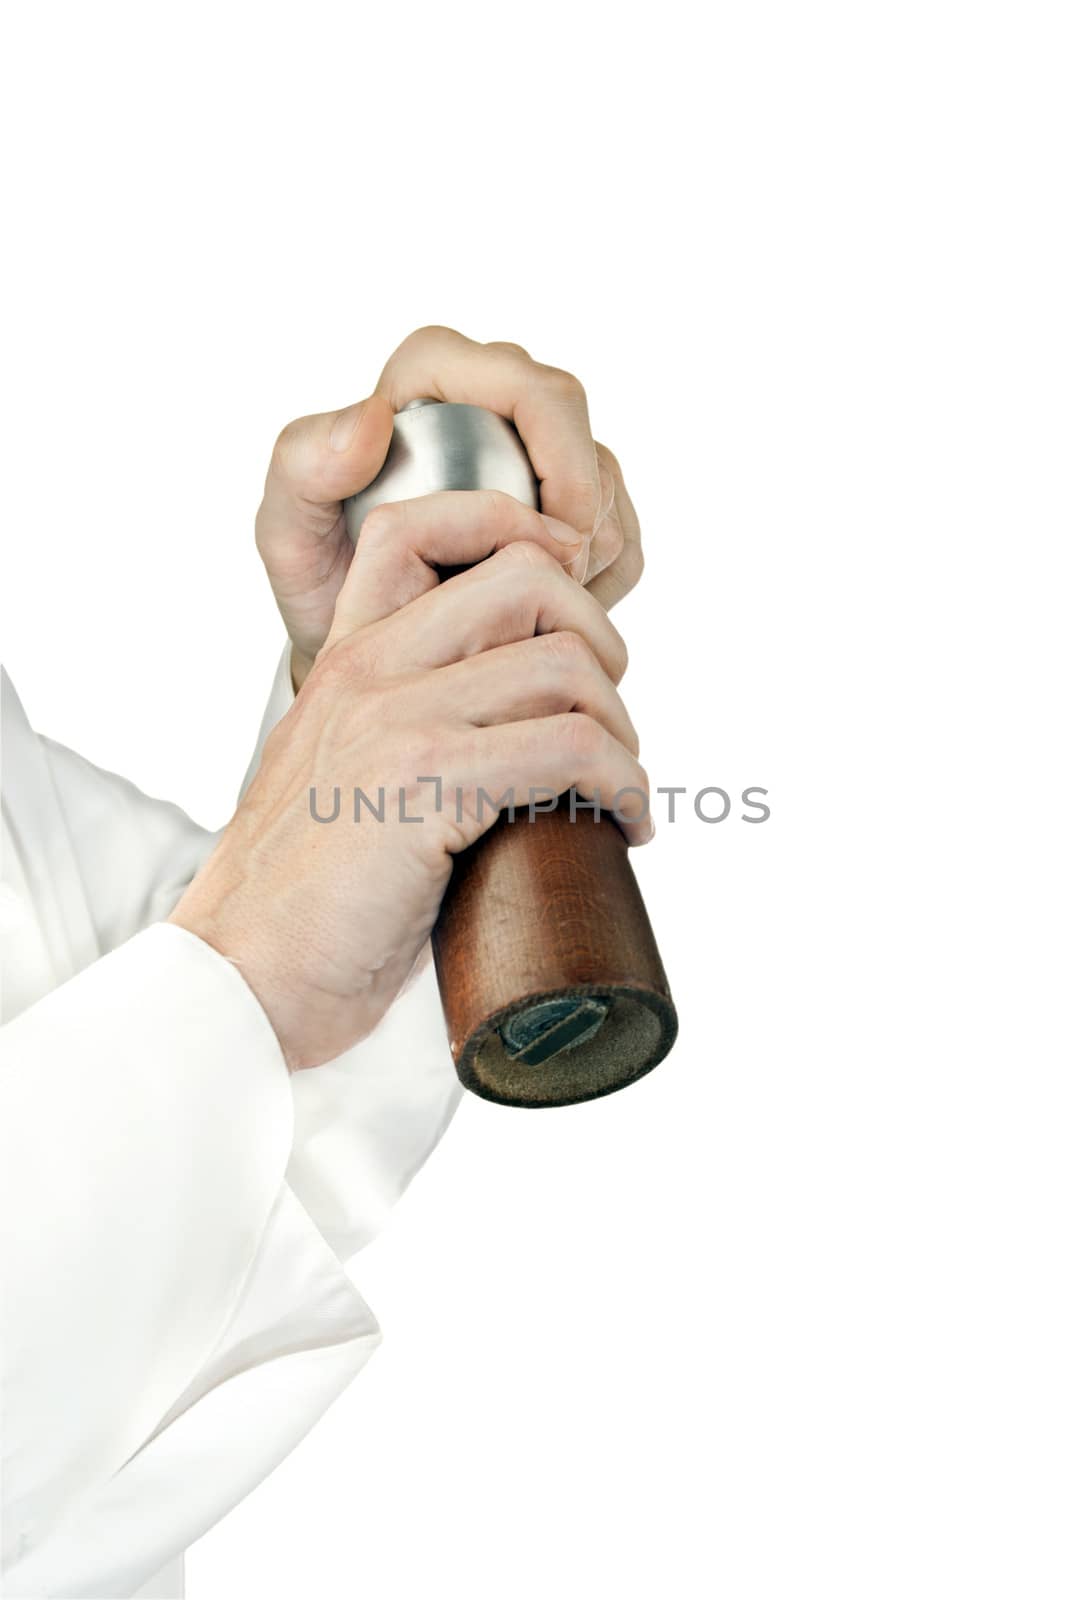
(550, 977)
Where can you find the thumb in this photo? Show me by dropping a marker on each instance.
(316, 463)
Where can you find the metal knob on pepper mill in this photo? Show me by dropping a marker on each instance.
(550, 978)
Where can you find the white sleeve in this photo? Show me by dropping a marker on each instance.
(280, 699)
(127, 855)
(174, 1321)
(174, 1204)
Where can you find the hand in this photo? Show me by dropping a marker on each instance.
(318, 461)
(503, 677)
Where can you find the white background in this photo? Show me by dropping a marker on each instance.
(791, 1317)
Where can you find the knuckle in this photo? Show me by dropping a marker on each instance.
(430, 333)
(585, 737)
(332, 670)
(526, 557)
(496, 506)
(612, 651)
(607, 457)
(380, 523)
(288, 446)
(425, 750)
(507, 347)
(348, 663)
(643, 780)
(564, 385)
(618, 655)
(568, 649)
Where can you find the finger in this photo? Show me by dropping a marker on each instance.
(557, 672)
(316, 463)
(516, 594)
(548, 406)
(623, 572)
(403, 543)
(553, 754)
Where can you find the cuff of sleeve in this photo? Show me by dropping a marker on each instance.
(178, 1321)
(148, 1122)
(298, 1336)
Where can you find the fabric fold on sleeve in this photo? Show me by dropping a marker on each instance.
(174, 1321)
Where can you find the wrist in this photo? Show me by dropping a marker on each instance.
(312, 1022)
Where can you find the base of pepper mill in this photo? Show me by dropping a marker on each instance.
(564, 1001)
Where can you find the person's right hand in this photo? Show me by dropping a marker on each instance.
(502, 678)
(318, 461)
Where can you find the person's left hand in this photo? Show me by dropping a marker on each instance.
(319, 460)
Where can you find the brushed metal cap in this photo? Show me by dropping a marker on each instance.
(441, 445)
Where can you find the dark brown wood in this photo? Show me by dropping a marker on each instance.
(549, 910)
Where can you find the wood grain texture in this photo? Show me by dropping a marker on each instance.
(545, 909)
(543, 931)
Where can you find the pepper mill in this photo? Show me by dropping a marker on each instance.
(550, 978)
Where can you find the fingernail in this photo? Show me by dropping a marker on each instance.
(648, 833)
(560, 531)
(578, 567)
(607, 543)
(345, 426)
(606, 498)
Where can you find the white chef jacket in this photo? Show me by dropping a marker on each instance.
(176, 1205)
